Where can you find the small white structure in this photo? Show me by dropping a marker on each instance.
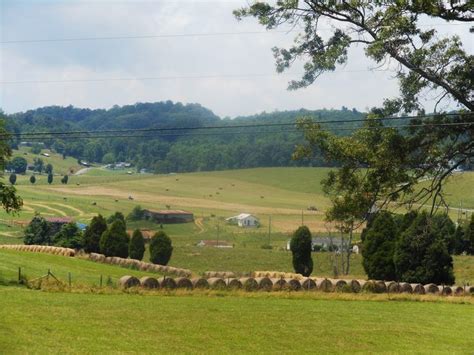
(244, 220)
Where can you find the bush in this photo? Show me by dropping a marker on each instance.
(378, 248)
(117, 216)
(136, 247)
(12, 179)
(114, 241)
(300, 246)
(18, 165)
(50, 179)
(32, 179)
(421, 254)
(70, 236)
(93, 233)
(469, 236)
(65, 179)
(136, 214)
(38, 232)
(160, 248)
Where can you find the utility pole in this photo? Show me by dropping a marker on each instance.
(218, 233)
(269, 228)
(302, 218)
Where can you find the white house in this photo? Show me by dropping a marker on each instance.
(244, 220)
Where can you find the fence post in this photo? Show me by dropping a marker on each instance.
(69, 278)
(100, 280)
(19, 274)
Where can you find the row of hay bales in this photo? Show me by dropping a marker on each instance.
(291, 284)
(41, 249)
(139, 265)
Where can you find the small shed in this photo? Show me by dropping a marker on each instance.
(168, 216)
(244, 220)
(57, 222)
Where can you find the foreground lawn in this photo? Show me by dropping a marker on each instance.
(65, 322)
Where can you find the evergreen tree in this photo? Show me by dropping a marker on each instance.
(12, 179)
(445, 228)
(93, 233)
(70, 236)
(65, 179)
(300, 246)
(469, 236)
(117, 216)
(114, 241)
(160, 248)
(136, 214)
(38, 232)
(378, 248)
(32, 179)
(136, 248)
(50, 178)
(420, 252)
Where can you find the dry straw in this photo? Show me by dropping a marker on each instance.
(249, 284)
(184, 282)
(199, 282)
(149, 282)
(264, 283)
(129, 281)
(431, 289)
(279, 284)
(216, 283)
(233, 284)
(167, 283)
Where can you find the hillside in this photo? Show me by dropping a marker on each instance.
(172, 149)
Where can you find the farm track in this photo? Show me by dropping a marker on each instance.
(200, 225)
(61, 212)
(77, 210)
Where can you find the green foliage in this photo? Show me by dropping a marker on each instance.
(117, 216)
(469, 236)
(35, 149)
(93, 233)
(48, 169)
(32, 179)
(114, 241)
(160, 248)
(137, 245)
(38, 232)
(378, 248)
(70, 236)
(136, 214)
(50, 178)
(38, 165)
(421, 255)
(18, 165)
(65, 179)
(12, 179)
(300, 246)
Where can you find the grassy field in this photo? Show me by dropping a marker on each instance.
(43, 322)
(60, 165)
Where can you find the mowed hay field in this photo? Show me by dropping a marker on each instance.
(46, 322)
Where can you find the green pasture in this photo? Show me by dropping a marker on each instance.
(60, 165)
(45, 322)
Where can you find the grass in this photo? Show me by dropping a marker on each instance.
(60, 165)
(82, 271)
(90, 323)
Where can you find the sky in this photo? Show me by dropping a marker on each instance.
(231, 72)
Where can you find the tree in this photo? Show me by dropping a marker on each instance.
(10, 201)
(48, 169)
(32, 179)
(114, 241)
(160, 248)
(136, 247)
(380, 162)
(70, 236)
(18, 165)
(12, 179)
(117, 216)
(136, 214)
(38, 165)
(469, 236)
(300, 246)
(50, 178)
(421, 255)
(38, 232)
(93, 233)
(378, 248)
(65, 179)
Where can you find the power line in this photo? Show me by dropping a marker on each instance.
(259, 125)
(176, 35)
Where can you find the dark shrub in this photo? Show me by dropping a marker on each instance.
(93, 233)
(114, 241)
(160, 248)
(300, 246)
(136, 247)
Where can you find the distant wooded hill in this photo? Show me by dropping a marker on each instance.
(172, 150)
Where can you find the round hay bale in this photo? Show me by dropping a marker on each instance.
(355, 286)
(324, 285)
(469, 290)
(370, 286)
(340, 285)
(149, 282)
(264, 283)
(155, 268)
(393, 287)
(445, 290)
(129, 281)
(418, 289)
(293, 284)
(216, 283)
(308, 284)
(279, 284)
(249, 283)
(121, 262)
(184, 282)
(167, 282)
(200, 282)
(458, 290)
(431, 289)
(405, 287)
(233, 283)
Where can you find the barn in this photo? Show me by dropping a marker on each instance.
(56, 223)
(168, 216)
(244, 220)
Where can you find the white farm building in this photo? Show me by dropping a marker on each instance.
(244, 220)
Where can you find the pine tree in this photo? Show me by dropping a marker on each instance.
(300, 246)
(136, 247)
(114, 241)
(50, 178)
(32, 179)
(160, 248)
(93, 233)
